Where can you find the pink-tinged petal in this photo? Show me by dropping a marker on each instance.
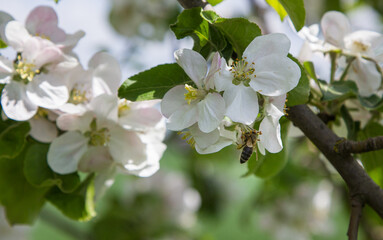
(241, 104)
(277, 103)
(204, 140)
(16, 35)
(126, 147)
(42, 21)
(43, 130)
(211, 111)
(106, 109)
(275, 75)
(106, 74)
(367, 78)
(15, 103)
(173, 100)
(40, 51)
(271, 134)
(140, 119)
(275, 43)
(335, 26)
(95, 159)
(47, 91)
(223, 79)
(74, 122)
(66, 151)
(193, 64)
(183, 118)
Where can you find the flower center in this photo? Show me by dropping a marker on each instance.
(25, 71)
(123, 107)
(41, 113)
(97, 137)
(242, 72)
(193, 93)
(358, 46)
(77, 96)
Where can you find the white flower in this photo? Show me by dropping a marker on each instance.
(264, 69)
(186, 105)
(361, 44)
(270, 127)
(206, 143)
(43, 127)
(102, 77)
(37, 77)
(95, 140)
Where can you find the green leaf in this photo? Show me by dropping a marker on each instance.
(153, 83)
(38, 173)
(12, 139)
(296, 11)
(239, 32)
(191, 23)
(21, 200)
(310, 69)
(214, 2)
(278, 8)
(372, 161)
(300, 94)
(210, 16)
(3, 44)
(337, 90)
(78, 205)
(372, 102)
(272, 163)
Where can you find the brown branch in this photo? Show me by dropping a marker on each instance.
(368, 145)
(357, 180)
(356, 214)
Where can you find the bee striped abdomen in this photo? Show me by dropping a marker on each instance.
(246, 154)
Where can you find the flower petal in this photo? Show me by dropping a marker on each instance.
(106, 73)
(335, 26)
(367, 78)
(193, 64)
(16, 35)
(126, 147)
(173, 100)
(140, 119)
(271, 134)
(66, 151)
(48, 91)
(204, 140)
(95, 159)
(241, 104)
(183, 118)
(108, 111)
(221, 143)
(211, 111)
(43, 130)
(74, 122)
(6, 70)
(274, 43)
(223, 79)
(275, 75)
(214, 68)
(40, 51)
(15, 103)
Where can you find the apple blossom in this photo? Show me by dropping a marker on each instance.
(95, 140)
(185, 105)
(365, 46)
(264, 69)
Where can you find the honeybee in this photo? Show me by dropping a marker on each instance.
(249, 144)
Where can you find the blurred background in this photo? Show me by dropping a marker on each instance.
(194, 196)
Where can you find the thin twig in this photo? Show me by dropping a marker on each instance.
(368, 145)
(356, 214)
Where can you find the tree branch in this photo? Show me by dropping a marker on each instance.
(356, 214)
(357, 180)
(368, 145)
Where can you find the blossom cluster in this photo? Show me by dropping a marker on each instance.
(360, 51)
(74, 109)
(224, 103)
